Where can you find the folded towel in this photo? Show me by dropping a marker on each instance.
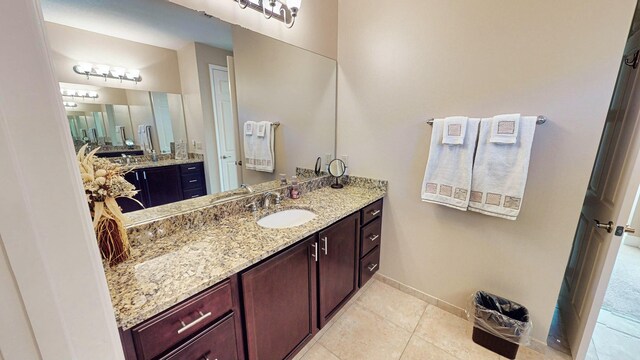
(259, 150)
(119, 137)
(144, 137)
(500, 171)
(455, 127)
(447, 178)
(249, 146)
(504, 128)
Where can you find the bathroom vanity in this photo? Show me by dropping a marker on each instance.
(234, 290)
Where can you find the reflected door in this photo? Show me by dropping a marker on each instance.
(608, 195)
(225, 128)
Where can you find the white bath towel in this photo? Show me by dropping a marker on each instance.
(447, 178)
(259, 150)
(144, 137)
(500, 171)
(249, 146)
(119, 136)
(504, 129)
(455, 128)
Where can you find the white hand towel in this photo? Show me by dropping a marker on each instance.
(500, 171)
(143, 138)
(455, 128)
(249, 145)
(447, 178)
(259, 150)
(504, 129)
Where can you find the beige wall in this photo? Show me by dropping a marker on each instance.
(316, 28)
(194, 60)
(279, 82)
(426, 58)
(158, 67)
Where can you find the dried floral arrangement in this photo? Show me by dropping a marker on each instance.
(103, 183)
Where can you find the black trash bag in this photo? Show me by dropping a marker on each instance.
(501, 317)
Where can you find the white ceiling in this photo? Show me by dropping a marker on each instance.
(154, 22)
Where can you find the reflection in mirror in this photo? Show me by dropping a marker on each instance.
(337, 168)
(198, 88)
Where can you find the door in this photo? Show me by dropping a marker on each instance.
(337, 265)
(127, 204)
(163, 185)
(279, 302)
(609, 199)
(225, 128)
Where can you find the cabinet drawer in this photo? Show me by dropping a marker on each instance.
(371, 212)
(370, 236)
(158, 334)
(194, 168)
(192, 181)
(369, 265)
(217, 342)
(194, 193)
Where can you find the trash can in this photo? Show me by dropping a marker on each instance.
(499, 324)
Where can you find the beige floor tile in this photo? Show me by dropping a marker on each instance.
(614, 345)
(392, 304)
(319, 352)
(452, 334)
(362, 334)
(419, 349)
(306, 348)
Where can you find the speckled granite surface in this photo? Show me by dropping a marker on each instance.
(159, 163)
(186, 260)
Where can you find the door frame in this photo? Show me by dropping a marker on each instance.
(623, 217)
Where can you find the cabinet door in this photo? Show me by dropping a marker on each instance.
(163, 185)
(337, 265)
(127, 204)
(279, 303)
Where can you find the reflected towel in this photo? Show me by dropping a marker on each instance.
(504, 129)
(259, 149)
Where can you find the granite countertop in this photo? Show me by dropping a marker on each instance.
(167, 270)
(159, 163)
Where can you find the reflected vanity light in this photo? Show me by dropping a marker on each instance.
(283, 10)
(107, 72)
(70, 104)
(79, 93)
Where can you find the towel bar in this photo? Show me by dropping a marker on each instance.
(276, 124)
(541, 120)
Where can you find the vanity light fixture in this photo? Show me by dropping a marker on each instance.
(79, 93)
(283, 10)
(108, 72)
(70, 104)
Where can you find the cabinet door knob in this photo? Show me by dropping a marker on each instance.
(375, 212)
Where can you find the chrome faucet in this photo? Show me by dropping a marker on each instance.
(268, 195)
(245, 186)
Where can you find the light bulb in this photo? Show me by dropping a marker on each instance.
(294, 4)
(102, 70)
(132, 74)
(117, 72)
(84, 67)
(92, 94)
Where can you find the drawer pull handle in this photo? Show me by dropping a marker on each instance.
(191, 168)
(194, 196)
(374, 237)
(324, 239)
(315, 251)
(372, 267)
(186, 327)
(192, 181)
(375, 212)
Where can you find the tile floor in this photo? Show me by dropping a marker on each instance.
(382, 322)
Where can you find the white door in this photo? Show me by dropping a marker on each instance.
(225, 128)
(609, 199)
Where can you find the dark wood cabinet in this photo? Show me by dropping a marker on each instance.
(217, 342)
(279, 302)
(337, 265)
(163, 185)
(370, 241)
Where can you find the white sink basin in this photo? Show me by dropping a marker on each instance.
(286, 219)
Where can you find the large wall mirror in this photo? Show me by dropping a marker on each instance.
(201, 83)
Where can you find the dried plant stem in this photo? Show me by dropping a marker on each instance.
(112, 239)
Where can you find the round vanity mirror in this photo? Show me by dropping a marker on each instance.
(337, 168)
